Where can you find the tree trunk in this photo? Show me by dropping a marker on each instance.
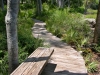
(86, 7)
(68, 3)
(2, 5)
(97, 27)
(39, 7)
(60, 3)
(11, 29)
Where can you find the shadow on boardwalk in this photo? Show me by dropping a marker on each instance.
(50, 68)
(65, 60)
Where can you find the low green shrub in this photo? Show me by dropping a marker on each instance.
(26, 41)
(3, 43)
(91, 13)
(4, 64)
(91, 64)
(77, 10)
(96, 48)
(26, 6)
(70, 27)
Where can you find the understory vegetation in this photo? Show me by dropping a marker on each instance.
(71, 27)
(26, 42)
(68, 24)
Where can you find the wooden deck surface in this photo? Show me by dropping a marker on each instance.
(65, 60)
(35, 63)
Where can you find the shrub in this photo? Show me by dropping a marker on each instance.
(69, 26)
(3, 43)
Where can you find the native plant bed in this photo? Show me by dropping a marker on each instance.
(72, 28)
(92, 60)
(95, 64)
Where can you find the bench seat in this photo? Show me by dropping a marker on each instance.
(35, 63)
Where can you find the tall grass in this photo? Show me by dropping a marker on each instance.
(91, 13)
(27, 44)
(3, 43)
(70, 27)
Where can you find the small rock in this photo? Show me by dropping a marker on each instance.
(91, 21)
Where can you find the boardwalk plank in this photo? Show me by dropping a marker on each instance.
(39, 57)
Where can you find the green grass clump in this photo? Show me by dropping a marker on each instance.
(91, 63)
(69, 26)
(27, 44)
(91, 13)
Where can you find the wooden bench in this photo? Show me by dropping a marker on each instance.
(34, 63)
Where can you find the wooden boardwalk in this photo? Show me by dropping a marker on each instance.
(65, 60)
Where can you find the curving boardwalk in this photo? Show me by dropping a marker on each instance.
(65, 60)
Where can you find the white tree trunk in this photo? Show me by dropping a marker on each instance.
(86, 6)
(68, 3)
(60, 3)
(11, 29)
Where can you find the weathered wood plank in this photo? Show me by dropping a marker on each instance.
(37, 69)
(32, 63)
(26, 66)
